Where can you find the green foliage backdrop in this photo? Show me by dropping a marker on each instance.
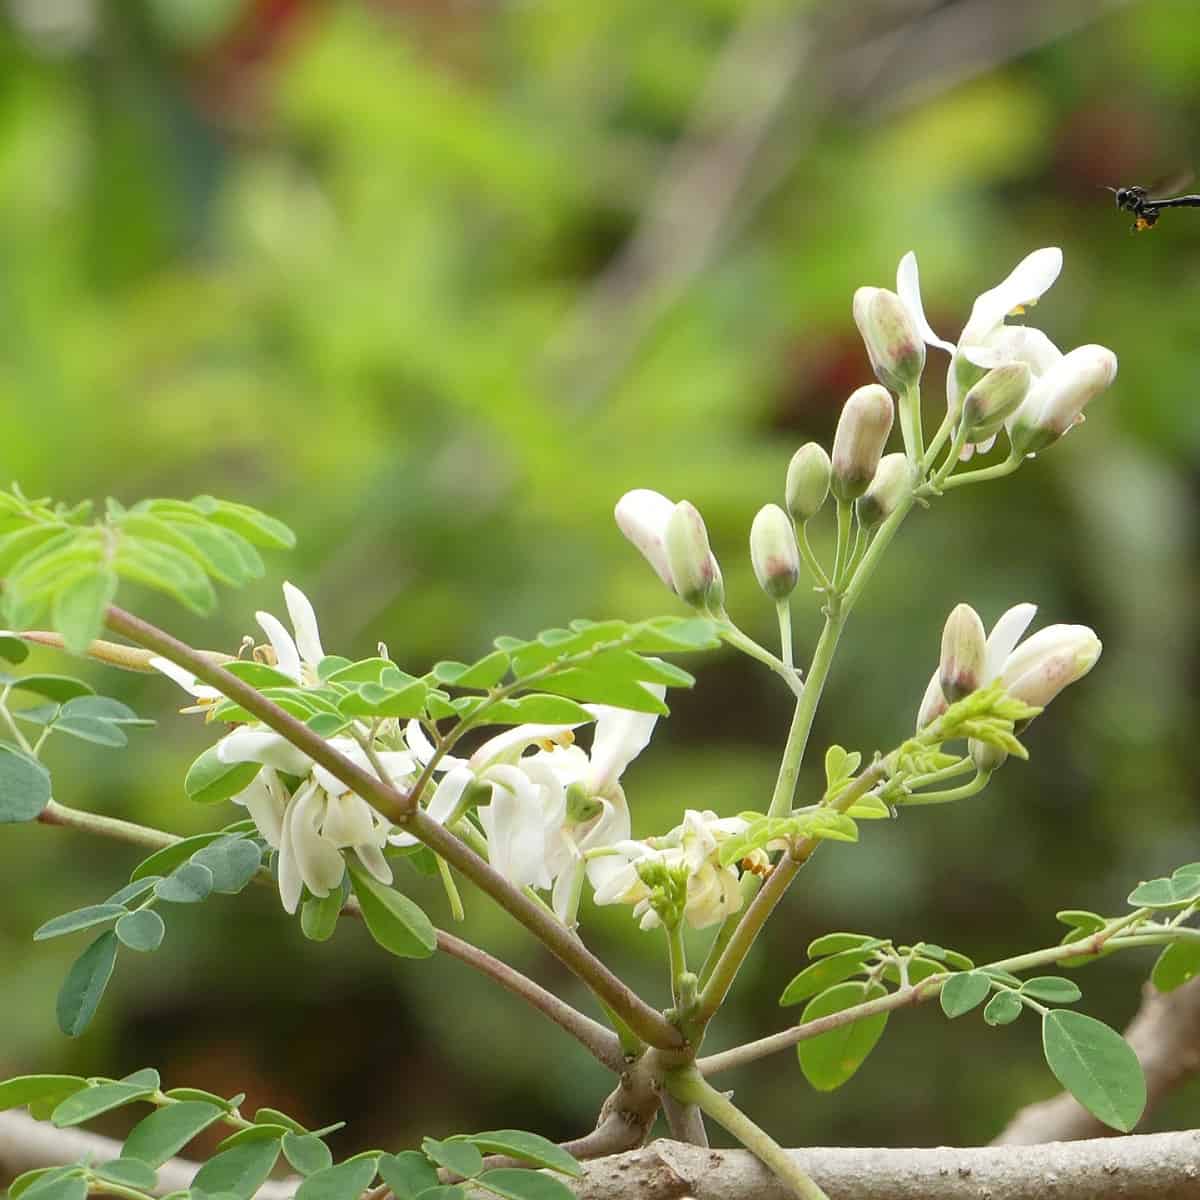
(341, 261)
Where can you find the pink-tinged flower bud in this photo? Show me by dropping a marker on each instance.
(774, 553)
(994, 399)
(933, 703)
(893, 479)
(1042, 665)
(894, 345)
(1057, 400)
(694, 570)
(642, 516)
(964, 654)
(986, 756)
(807, 482)
(862, 433)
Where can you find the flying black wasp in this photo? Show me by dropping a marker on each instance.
(1146, 209)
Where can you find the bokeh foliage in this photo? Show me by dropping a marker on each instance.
(330, 259)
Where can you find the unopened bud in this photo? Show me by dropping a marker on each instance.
(773, 552)
(807, 482)
(986, 756)
(862, 433)
(994, 399)
(1057, 400)
(1042, 665)
(894, 345)
(893, 477)
(694, 570)
(933, 703)
(964, 653)
(642, 516)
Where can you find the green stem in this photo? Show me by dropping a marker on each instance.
(952, 772)
(403, 809)
(783, 610)
(998, 471)
(910, 424)
(939, 440)
(938, 482)
(690, 1087)
(945, 797)
(845, 517)
(11, 723)
(810, 558)
(678, 960)
(730, 633)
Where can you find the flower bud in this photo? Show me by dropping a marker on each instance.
(933, 703)
(994, 399)
(1042, 665)
(964, 653)
(1057, 400)
(807, 482)
(890, 485)
(862, 432)
(642, 516)
(895, 347)
(694, 570)
(985, 756)
(774, 553)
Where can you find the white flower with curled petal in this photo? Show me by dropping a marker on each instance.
(986, 341)
(299, 656)
(205, 695)
(1035, 670)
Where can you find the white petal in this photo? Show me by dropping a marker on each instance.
(263, 746)
(509, 744)
(908, 288)
(349, 821)
(1006, 633)
(372, 858)
(516, 835)
(933, 703)
(566, 890)
(642, 516)
(1027, 281)
(185, 679)
(1016, 343)
(448, 793)
(319, 862)
(304, 622)
(266, 802)
(286, 655)
(621, 735)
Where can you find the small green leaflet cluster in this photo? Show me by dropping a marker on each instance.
(62, 562)
(829, 985)
(186, 872)
(246, 1158)
(521, 682)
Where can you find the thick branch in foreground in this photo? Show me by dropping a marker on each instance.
(1165, 1035)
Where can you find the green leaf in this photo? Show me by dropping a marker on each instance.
(306, 1152)
(449, 1191)
(13, 648)
(164, 861)
(80, 608)
(530, 1147)
(1080, 918)
(1177, 964)
(536, 709)
(840, 766)
(85, 983)
(598, 688)
(239, 1172)
(103, 708)
(1052, 989)
(199, 1094)
(165, 569)
(1166, 893)
(258, 1132)
(254, 526)
(869, 808)
(514, 1184)
(1186, 869)
(24, 786)
(89, 729)
(1096, 1065)
(131, 891)
(460, 1157)
(392, 919)
(831, 1058)
(81, 918)
(1003, 1008)
(142, 930)
(273, 1116)
(963, 992)
(258, 675)
(146, 1077)
(129, 1172)
(485, 673)
(824, 973)
(66, 1187)
(233, 863)
(24, 1089)
(408, 1174)
(189, 883)
(16, 547)
(44, 1177)
(209, 780)
(319, 916)
(836, 943)
(92, 1101)
(167, 1130)
(377, 700)
(346, 1181)
(59, 688)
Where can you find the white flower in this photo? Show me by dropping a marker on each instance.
(674, 541)
(1034, 671)
(986, 341)
(206, 695)
(296, 657)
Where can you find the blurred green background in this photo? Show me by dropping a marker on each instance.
(436, 282)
